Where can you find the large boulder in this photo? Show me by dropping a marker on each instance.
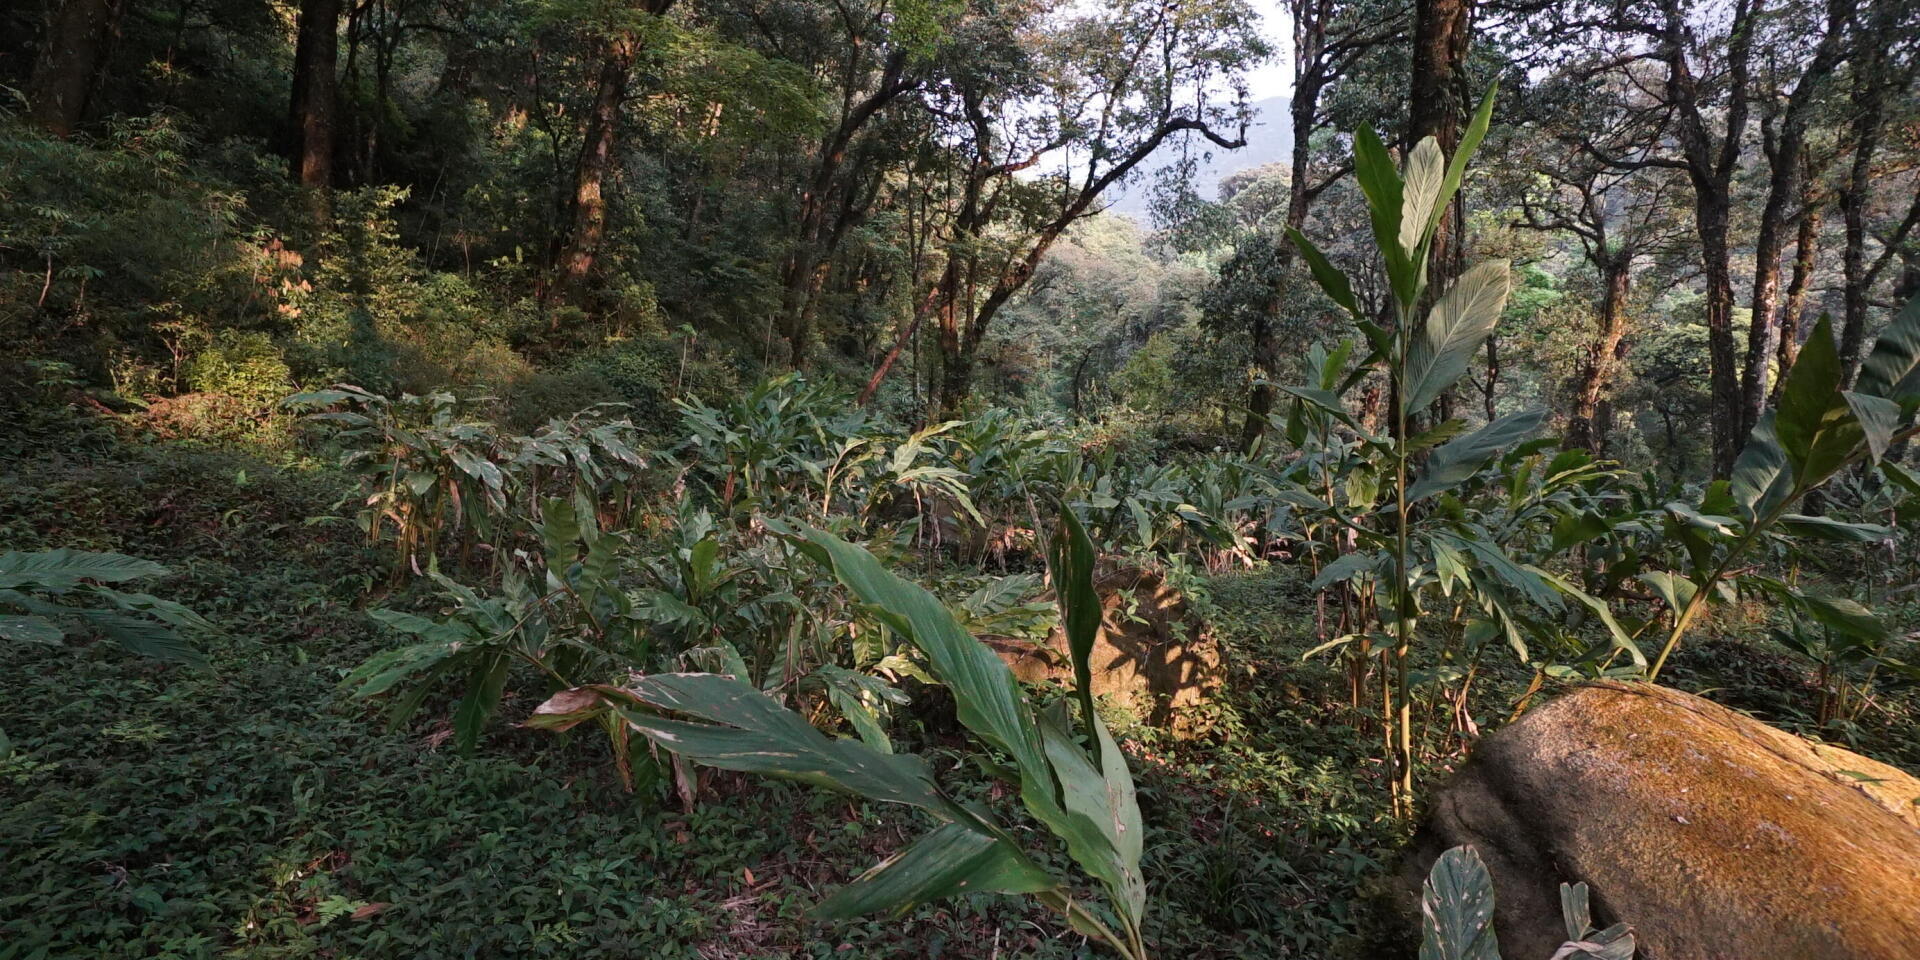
(1152, 655)
(1715, 835)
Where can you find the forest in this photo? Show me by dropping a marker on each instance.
(722, 479)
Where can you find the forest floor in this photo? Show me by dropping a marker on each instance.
(254, 810)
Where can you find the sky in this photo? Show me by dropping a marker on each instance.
(1275, 77)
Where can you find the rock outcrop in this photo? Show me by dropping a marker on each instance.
(1715, 835)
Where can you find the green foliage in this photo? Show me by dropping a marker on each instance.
(1086, 800)
(55, 593)
(242, 364)
(1456, 906)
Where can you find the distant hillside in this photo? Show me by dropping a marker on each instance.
(1269, 140)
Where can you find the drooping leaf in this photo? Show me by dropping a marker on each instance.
(1878, 419)
(1457, 460)
(1673, 588)
(1522, 578)
(1892, 369)
(988, 698)
(1827, 528)
(1456, 327)
(1845, 616)
(1762, 481)
(1456, 907)
(740, 728)
(1344, 568)
(1329, 277)
(29, 629)
(951, 860)
(64, 568)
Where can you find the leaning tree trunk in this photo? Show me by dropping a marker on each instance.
(591, 172)
(314, 104)
(1793, 315)
(1597, 368)
(70, 58)
(1763, 333)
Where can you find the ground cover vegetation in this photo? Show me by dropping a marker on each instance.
(566, 478)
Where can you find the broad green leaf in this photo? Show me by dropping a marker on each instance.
(1761, 480)
(1426, 170)
(1816, 428)
(1329, 403)
(1438, 434)
(951, 860)
(1454, 462)
(1826, 528)
(1878, 419)
(438, 631)
(1101, 825)
(1892, 369)
(28, 629)
(1449, 565)
(1456, 327)
(1345, 568)
(1901, 477)
(145, 637)
(1332, 363)
(1331, 280)
(1620, 639)
(987, 697)
(1673, 588)
(65, 568)
(854, 695)
(1381, 185)
(1846, 617)
(742, 729)
(384, 670)
(1456, 907)
(1578, 527)
(484, 685)
(1071, 561)
(1523, 578)
(1457, 164)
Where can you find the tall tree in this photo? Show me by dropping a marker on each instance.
(1328, 39)
(1876, 80)
(314, 104)
(620, 41)
(1083, 96)
(877, 69)
(70, 59)
(1784, 145)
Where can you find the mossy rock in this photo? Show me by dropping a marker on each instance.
(1712, 833)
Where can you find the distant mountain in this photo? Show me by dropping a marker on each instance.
(1269, 140)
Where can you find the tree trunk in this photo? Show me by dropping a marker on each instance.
(1602, 357)
(70, 58)
(1868, 99)
(591, 172)
(1440, 34)
(814, 243)
(1793, 317)
(1763, 335)
(1710, 167)
(316, 54)
(1266, 361)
